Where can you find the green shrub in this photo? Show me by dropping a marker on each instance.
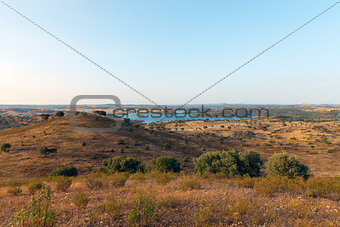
(250, 163)
(121, 164)
(5, 147)
(230, 163)
(164, 164)
(67, 171)
(45, 117)
(167, 146)
(281, 164)
(59, 114)
(38, 213)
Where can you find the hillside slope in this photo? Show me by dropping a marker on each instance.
(86, 151)
(24, 159)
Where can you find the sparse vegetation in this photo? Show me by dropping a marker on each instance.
(144, 211)
(119, 179)
(63, 183)
(14, 191)
(38, 213)
(80, 200)
(240, 195)
(113, 207)
(34, 186)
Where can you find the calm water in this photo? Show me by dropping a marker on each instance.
(150, 119)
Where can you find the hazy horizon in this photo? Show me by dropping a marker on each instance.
(170, 51)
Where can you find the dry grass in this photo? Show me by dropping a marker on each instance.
(166, 199)
(205, 201)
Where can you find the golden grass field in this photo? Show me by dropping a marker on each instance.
(165, 199)
(177, 199)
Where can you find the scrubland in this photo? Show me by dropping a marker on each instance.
(152, 198)
(170, 199)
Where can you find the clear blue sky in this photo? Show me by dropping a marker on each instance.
(170, 51)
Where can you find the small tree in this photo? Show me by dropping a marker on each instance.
(45, 151)
(281, 164)
(167, 146)
(59, 114)
(5, 147)
(45, 117)
(127, 121)
(100, 112)
(164, 164)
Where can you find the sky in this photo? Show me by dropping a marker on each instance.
(170, 51)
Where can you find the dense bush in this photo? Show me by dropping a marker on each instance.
(67, 171)
(250, 163)
(121, 164)
(45, 117)
(167, 146)
(164, 164)
(281, 164)
(100, 112)
(59, 114)
(5, 147)
(230, 163)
